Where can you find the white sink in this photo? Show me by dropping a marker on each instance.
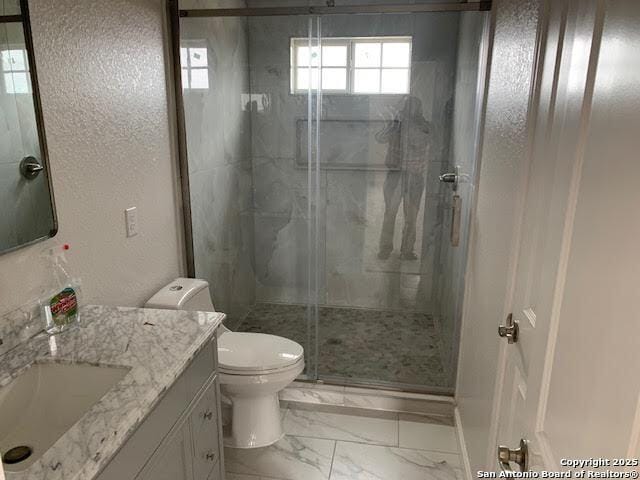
(41, 404)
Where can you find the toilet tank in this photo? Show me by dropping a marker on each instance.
(183, 294)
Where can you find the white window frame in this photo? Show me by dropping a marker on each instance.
(189, 68)
(350, 43)
(11, 71)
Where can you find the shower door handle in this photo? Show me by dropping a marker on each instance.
(509, 331)
(456, 211)
(449, 178)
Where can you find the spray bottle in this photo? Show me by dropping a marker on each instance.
(59, 303)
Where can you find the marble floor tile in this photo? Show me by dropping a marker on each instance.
(356, 461)
(421, 433)
(340, 426)
(241, 476)
(292, 458)
(313, 393)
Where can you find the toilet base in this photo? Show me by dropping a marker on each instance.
(255, 416)
(255, 422)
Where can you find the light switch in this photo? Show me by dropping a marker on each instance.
(131, 221)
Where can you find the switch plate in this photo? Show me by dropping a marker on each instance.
(131, 221)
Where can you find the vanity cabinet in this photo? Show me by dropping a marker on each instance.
(171, 461)
(203, 423)
(181, 439)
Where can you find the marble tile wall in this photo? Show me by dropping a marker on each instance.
(220, 164)
(351, 201)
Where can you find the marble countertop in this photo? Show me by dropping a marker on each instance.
(156, 345)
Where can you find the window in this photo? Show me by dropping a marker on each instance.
(356, 65)
(15, 68)
(195, 68)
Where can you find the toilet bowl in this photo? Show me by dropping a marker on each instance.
(252, 368)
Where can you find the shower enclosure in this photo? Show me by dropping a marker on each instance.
(313, 140)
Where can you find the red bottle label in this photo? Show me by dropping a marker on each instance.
(64, 307)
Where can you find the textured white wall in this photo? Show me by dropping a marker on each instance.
(103, 82)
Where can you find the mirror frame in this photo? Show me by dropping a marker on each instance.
(24, 18)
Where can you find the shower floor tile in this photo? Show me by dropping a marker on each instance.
(366, 345)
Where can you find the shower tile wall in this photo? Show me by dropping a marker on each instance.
(351, 204)
(281, 190)
(217, 120)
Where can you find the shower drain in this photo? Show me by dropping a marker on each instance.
(17, 455)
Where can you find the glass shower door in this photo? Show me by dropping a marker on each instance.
(252, 215)
(393, 94)
(315, 144)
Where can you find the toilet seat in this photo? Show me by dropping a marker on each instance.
(243, 353)
(260, 376)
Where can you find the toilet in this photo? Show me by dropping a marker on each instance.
(252, 367)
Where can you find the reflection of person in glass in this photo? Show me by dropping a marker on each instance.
(408, 138)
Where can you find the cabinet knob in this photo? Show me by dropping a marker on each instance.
(208, 415)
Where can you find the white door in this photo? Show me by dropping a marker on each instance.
(566, 384)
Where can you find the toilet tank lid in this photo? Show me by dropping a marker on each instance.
(177, 293)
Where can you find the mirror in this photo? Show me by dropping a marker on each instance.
(27, 212)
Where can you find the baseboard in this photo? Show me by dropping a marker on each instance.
(462, 445)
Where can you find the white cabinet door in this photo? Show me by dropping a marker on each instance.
(568, 384)
(205, 435)
(173, 460)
